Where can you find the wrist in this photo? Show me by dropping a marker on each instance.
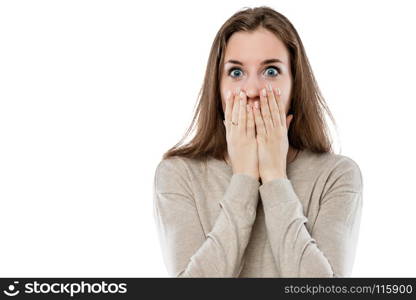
(254, 176)
(271, 177)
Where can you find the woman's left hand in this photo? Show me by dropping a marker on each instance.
(272, 127)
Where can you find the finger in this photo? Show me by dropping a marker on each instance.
(227, 113)
(274, 108)
(265, 111)
(236, 106)
(270, 97)
(250, 122)
(228, 107)
(242, 118)
(261, 130)
(281, 108)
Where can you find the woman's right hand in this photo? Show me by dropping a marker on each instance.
(241, 138)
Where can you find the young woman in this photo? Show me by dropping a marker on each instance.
(258, 191)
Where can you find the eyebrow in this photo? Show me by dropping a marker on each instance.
(264, 62)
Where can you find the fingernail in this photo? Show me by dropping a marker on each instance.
(228, 94)
(256, 104)
(263, 92)
(270, 87)
(278, 91)
(241, 94)
(238, 91)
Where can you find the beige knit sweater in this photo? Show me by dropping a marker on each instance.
(213, 223)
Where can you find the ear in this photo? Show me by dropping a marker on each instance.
(288, 121)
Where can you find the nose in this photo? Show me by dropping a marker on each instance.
(252, 93)
(252, 88)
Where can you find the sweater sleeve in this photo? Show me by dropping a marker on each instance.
(187, 250)
(329, 249)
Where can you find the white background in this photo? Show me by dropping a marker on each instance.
(92, 93)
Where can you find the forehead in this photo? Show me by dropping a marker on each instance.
(253, 47)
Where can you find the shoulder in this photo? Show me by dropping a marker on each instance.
(177, 164)
(334, 170)
(173, 174)
(343, 174)
(171, 163)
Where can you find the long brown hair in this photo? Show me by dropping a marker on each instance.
(308, 129)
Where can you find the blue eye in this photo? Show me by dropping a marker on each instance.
(270, 71)
(232, 70)
(277, 71)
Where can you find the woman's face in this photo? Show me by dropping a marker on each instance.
(244, 66)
